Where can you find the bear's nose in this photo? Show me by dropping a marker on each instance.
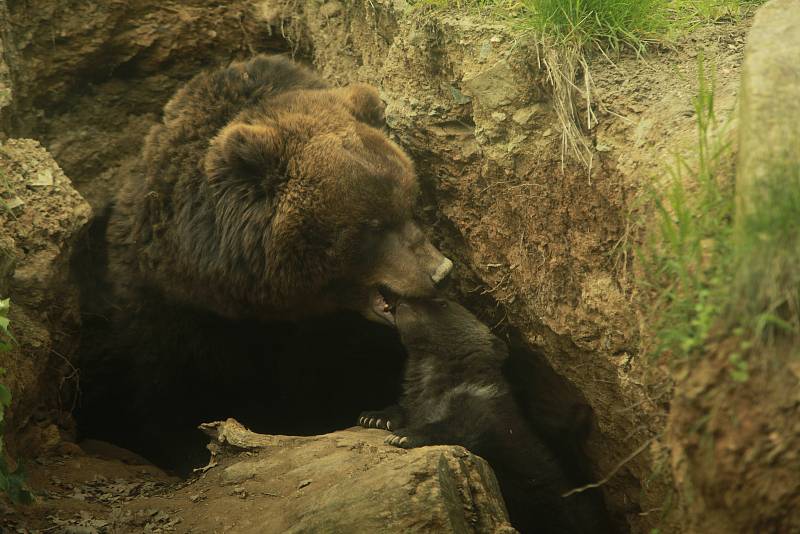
(442, 271)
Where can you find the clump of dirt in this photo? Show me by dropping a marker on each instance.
(735, 442)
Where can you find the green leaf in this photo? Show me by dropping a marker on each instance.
(14, 484)
(17, 491)
(5, 396)
(740, 376)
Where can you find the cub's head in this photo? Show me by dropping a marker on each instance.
(332, 199)
(442, 326)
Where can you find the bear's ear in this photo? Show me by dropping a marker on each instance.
(365, 104)
(249, 149)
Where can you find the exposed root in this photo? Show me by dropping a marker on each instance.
(613, 472)
(562, 64)
(232, 433)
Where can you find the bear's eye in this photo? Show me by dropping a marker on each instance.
(441, 302)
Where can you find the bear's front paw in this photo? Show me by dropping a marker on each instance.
(407, 440)
(378, 419)
(389, 419)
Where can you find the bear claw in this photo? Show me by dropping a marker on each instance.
(398, 441)
(375, 420)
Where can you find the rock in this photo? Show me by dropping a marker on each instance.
(770, 96)
(524, 115)
(493, 87)
(350, 481)
(330, 9)
(37, 237)
(6, 89)
(346, 481)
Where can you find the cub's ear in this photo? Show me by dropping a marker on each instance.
(365, 104)
(246, 149)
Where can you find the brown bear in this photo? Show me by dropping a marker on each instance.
(455, 393)
(266, 193)
(263, 195)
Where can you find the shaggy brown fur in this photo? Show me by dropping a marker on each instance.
(266, 192)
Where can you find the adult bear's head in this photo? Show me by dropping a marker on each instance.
(334, 198)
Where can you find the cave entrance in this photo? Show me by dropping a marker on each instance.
(304, 378)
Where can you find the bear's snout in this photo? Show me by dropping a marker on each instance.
(442, 271)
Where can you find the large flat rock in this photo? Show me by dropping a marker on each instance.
(346, 481)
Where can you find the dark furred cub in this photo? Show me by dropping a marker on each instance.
(454, 393)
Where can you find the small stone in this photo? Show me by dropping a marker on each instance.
(523, 115)
(459, 97)
(304, 483)
(12, 203)
(330, 9)
(499, 116)
(43, 178)
(161, 516)
(486, 49)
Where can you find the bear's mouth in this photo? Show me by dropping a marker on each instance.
(384, 304)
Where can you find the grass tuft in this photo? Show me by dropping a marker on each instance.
(601, 24)
(12, 481)
(710, 266)
(687, 256)
(604, 25)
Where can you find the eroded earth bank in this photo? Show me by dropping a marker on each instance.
(543, 252)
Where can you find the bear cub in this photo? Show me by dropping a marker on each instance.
(454, 393)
